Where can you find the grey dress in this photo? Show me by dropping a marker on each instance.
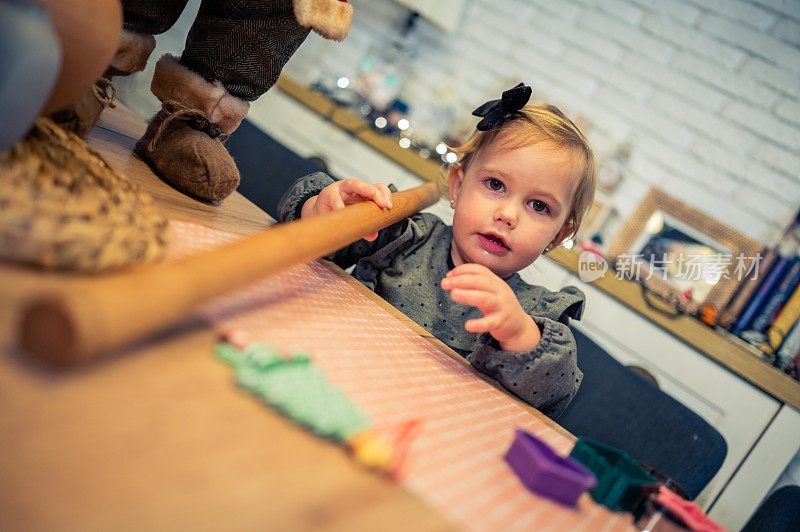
(405, 265)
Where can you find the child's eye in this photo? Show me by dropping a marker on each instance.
(539, 206)
(494, 184)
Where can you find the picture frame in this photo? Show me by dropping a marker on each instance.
(682, 254)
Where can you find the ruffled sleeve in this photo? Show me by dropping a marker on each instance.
(302, 190)
(391, 239)
(546, 377)
(560, 306)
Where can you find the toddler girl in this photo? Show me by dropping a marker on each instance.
(521, 186)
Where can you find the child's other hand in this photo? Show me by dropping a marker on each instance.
(503, 316)
(347, 192)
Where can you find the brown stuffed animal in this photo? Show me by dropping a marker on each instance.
(234, 53)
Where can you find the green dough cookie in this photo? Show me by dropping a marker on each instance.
(296, 388)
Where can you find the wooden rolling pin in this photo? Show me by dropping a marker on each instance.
(86, 318)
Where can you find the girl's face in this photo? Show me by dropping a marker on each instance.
(511, 204)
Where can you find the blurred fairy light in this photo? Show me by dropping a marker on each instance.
(568, 243)
(451, 157)
(380, 122)
(441, 148)
(343, 82)
(405, 143)
(402, 124)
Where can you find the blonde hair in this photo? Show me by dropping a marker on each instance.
(542, 123)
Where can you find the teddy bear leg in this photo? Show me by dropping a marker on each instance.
(82, 115)
(184, 140)
(234, 53)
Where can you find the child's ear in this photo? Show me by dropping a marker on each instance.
(565, 231)
(455, 179)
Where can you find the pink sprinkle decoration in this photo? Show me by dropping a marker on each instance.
(238, 338)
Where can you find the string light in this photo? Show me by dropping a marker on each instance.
(441, 148)
(343, 82)
(380, 122)
(451, 157)
(405, 143)
(402, 124)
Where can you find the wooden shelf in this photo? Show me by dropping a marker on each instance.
(734, 357)
(427, 169)
(729, 354)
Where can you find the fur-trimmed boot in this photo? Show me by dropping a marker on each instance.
(328, 18)
(82, 115)
(184, 141)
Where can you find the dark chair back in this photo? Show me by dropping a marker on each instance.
(780, 512)
(268, 168)
(617, 407)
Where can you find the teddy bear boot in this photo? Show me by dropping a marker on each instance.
(184, 140)
(82, 115)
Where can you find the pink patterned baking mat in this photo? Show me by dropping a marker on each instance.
(455, 463)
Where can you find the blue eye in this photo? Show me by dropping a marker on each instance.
(539, 206)
(494, 185)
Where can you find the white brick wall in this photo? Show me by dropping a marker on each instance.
(678, 10)
(709, 90)
(785, 7)
(693, 42)
(740, 11)
(788, 30)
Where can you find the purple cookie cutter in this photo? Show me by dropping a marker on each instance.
(547, 473)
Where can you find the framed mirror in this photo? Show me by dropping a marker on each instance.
(682, 254)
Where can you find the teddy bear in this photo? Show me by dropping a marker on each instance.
(234, 53)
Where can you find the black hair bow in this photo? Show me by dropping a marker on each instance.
(495, 111)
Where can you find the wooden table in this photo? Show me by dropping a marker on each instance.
(156, 436)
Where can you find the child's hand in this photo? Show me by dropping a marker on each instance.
(347, 192)
(503, 316)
